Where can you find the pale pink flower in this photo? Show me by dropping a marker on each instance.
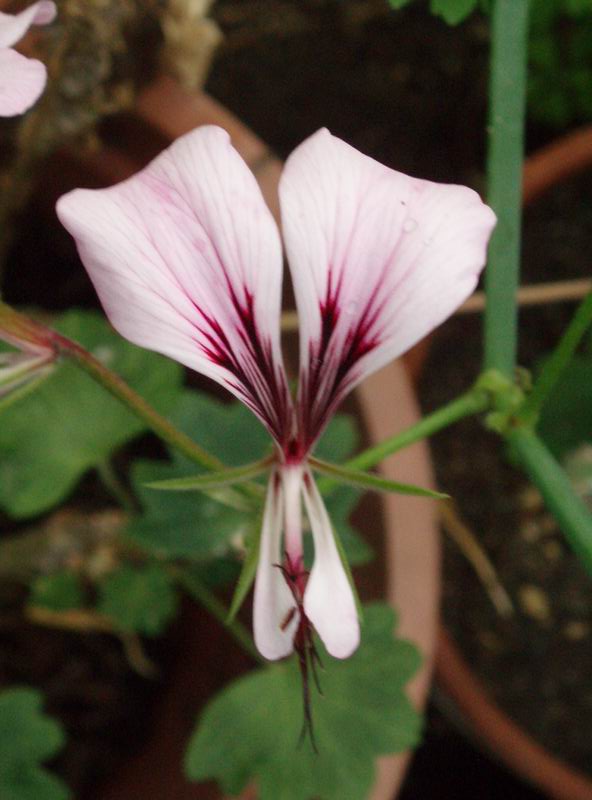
(187, 260)
(22, 80)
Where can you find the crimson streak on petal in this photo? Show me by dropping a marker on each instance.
(332, 358)
(259, 379)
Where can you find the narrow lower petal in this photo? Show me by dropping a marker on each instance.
(378, 259)
(186, 259)
(22, 81)
(292, 488)
(14, 26)
(275, 615)
(328, 600)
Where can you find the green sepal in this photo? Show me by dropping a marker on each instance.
(367, 480)
(248, 571)
(22, 390)
(212, 480)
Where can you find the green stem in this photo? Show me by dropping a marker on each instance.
(548, 476)
(558, 360)
(240, 498)
(120, 389)
(472, 402)
(507, 101)
(209, 601)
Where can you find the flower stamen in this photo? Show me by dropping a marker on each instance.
(296, 578)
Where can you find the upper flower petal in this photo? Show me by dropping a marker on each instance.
(186, 259)
(14, 26)
(275, 616)
(328, 598)
(21, 82)
(377, 259)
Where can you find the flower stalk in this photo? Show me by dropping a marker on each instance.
(474, 401)
(551, 480)
(137, 404)
(243, 501)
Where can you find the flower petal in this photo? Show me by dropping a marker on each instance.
(377, 259)
(275, 616)
(14, 26)
(328, 599)
(186, 259)
(21, 82)
(291, 476)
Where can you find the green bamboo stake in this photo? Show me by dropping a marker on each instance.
(507, 104)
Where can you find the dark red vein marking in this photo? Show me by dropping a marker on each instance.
(259, 379)
(329, 373)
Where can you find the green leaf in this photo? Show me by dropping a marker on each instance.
(53, 436)
(250, 731)
(566, 416)
(139, 599)
(57, 592)
(453, 11)
(185, 525)
(339, 440)
(27, 738)
(578, 8)
(227, 430)
(397, 4)
(22, 782)
(215, 573)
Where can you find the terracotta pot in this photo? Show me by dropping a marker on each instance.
(496, 730)
(411, 542)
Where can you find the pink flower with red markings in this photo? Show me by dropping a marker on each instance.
(22, 80)
(187, 260)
